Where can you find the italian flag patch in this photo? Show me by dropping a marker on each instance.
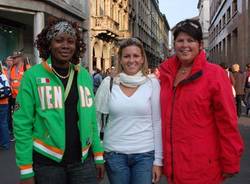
(43, 80)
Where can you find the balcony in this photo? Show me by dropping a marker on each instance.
(104, 26)
(124, 34)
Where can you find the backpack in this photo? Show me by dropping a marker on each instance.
(5, 90)
(104, 117)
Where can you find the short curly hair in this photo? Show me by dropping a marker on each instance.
(43, 44)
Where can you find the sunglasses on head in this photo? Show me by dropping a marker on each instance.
(187, 23)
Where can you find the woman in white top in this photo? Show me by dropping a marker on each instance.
(132, 135)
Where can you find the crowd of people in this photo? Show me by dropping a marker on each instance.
(11, 73)
(240, 81)
(179, 120)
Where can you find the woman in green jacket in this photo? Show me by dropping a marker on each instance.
(54, 120)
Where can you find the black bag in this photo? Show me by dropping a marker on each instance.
(104, 117)
(5, 91)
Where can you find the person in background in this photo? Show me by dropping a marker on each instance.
(240, 80)
(108, 72)
(17, 69)
(97, 79)
(8, 65)
(247, 89)
(5, 91)
(103, 74)
(155, 72)
(201, 140)
(150, 72)
(132, 135)
(55, 119)
(230, 76)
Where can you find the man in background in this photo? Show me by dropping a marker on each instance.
(247, 89)
(17, 70)
(97, 79)
(5, 92)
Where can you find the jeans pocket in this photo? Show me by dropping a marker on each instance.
(107, 155)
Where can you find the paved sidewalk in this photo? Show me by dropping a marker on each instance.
(9, 173)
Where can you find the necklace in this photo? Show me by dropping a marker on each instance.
(183, 71)
(61, 76)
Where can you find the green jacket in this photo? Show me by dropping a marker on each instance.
(39, 119)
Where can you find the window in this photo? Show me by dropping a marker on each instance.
(223, 20)
(228, 14)
(234, 6)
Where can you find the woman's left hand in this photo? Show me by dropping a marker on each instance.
(100, 171)
(156, 172)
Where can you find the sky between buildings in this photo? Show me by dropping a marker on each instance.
(177, 10)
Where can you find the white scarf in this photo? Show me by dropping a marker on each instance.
(131, 81)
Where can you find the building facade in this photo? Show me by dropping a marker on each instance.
(204, 18)
(229, 36)
(147, 23)
(164, 38)
(21, 21)
(108, 24)
(113, 20)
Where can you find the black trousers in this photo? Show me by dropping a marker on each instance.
(12, 102)
(238, 99)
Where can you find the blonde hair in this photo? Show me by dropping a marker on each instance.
(235, 68)
(132, 42)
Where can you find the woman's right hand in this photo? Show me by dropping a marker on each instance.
(156, 172)
(28, 181)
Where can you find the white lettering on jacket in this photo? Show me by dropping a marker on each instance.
(50, 97)
(86, 100)
(58, 97)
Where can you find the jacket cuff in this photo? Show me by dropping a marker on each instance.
(26, 171)
(158, 162)
(98, 156)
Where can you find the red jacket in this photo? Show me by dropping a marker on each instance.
(199, 123)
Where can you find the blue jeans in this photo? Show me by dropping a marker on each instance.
(4, 128)
(129, 168)
(77, 173)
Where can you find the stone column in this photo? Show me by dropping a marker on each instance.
(107, 63)
(98, 63)
(38, 26)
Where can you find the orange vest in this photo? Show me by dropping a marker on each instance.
(16, 75)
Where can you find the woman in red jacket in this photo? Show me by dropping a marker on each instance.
(201, 141)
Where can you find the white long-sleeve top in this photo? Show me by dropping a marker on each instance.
(134, 124)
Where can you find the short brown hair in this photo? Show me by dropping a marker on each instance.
(191, 27)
